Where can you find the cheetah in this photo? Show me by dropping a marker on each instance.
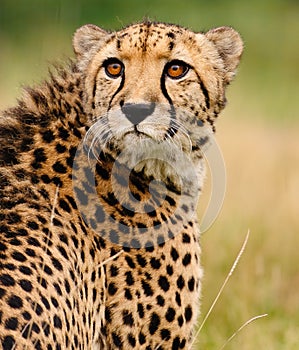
(100, 167)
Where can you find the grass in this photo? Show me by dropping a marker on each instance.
(263, 175)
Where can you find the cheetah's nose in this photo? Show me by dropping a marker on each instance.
(137, 112)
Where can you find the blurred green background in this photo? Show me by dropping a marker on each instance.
(258, 134)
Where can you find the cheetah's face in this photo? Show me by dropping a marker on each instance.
(150, 84)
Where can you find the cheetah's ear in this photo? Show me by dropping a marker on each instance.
(87, 37)
(230, 47)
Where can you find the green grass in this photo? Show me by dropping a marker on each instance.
(258, 134)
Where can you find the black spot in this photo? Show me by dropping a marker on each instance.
(171, 35)
(32, 225)
(57, 288)
(112, 289)
(3, 247)
(19, 256)
(141, 260)
(116, 340)
(67, 286)
(45, 302)
(113, 270)
(26, 285)
(57, 222)
(9, 156)
(63, 238)
(75, 241)
(170, 314)
(33, 241)
(186, 238)
(169, 270)
(64, 205)
(147, 288)
(10, 267)
(43, 282)
(30, 252)
(170, 200)
(59, 168)
(15, 302)
(46, 179)
(38, 309)
(174, 254)
(178, 299)
(62, 251)
(15, 242)
(48, 136)
(156, 224)
(104, 174)
(54, 302)
(39, 157)
(165, 334)
(7, 280)
(14, 218)
(57, 322)
(71, 201)
(163, 283)
(26, 315)
(128, 318)
(149, 247)
(187, 259)
(60, 148)
(107, 315)
(160, 300)
(11, 323)
(111, 199)
(25, 270)
(8, 343)
(130, 262)
(188, 313)
(180, 282)
(155, 263)
(128, 294)
(129, 278)
(154, 323)
(131, 340)
(48, 270)
(180, 321)
(56, 264)
(141, 338)
(63, 133)
(140, 310)
(176, 344)
(170, 45)
(191, 284)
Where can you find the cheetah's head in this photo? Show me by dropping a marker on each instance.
(152, 88)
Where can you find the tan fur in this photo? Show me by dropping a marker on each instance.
(83, 264)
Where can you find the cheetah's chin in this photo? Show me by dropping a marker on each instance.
(159, 160)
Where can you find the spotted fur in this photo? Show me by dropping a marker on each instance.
(70, 280)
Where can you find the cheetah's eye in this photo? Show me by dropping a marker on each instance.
(176, 69)
(113, 68)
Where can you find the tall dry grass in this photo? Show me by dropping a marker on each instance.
(262, 163)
